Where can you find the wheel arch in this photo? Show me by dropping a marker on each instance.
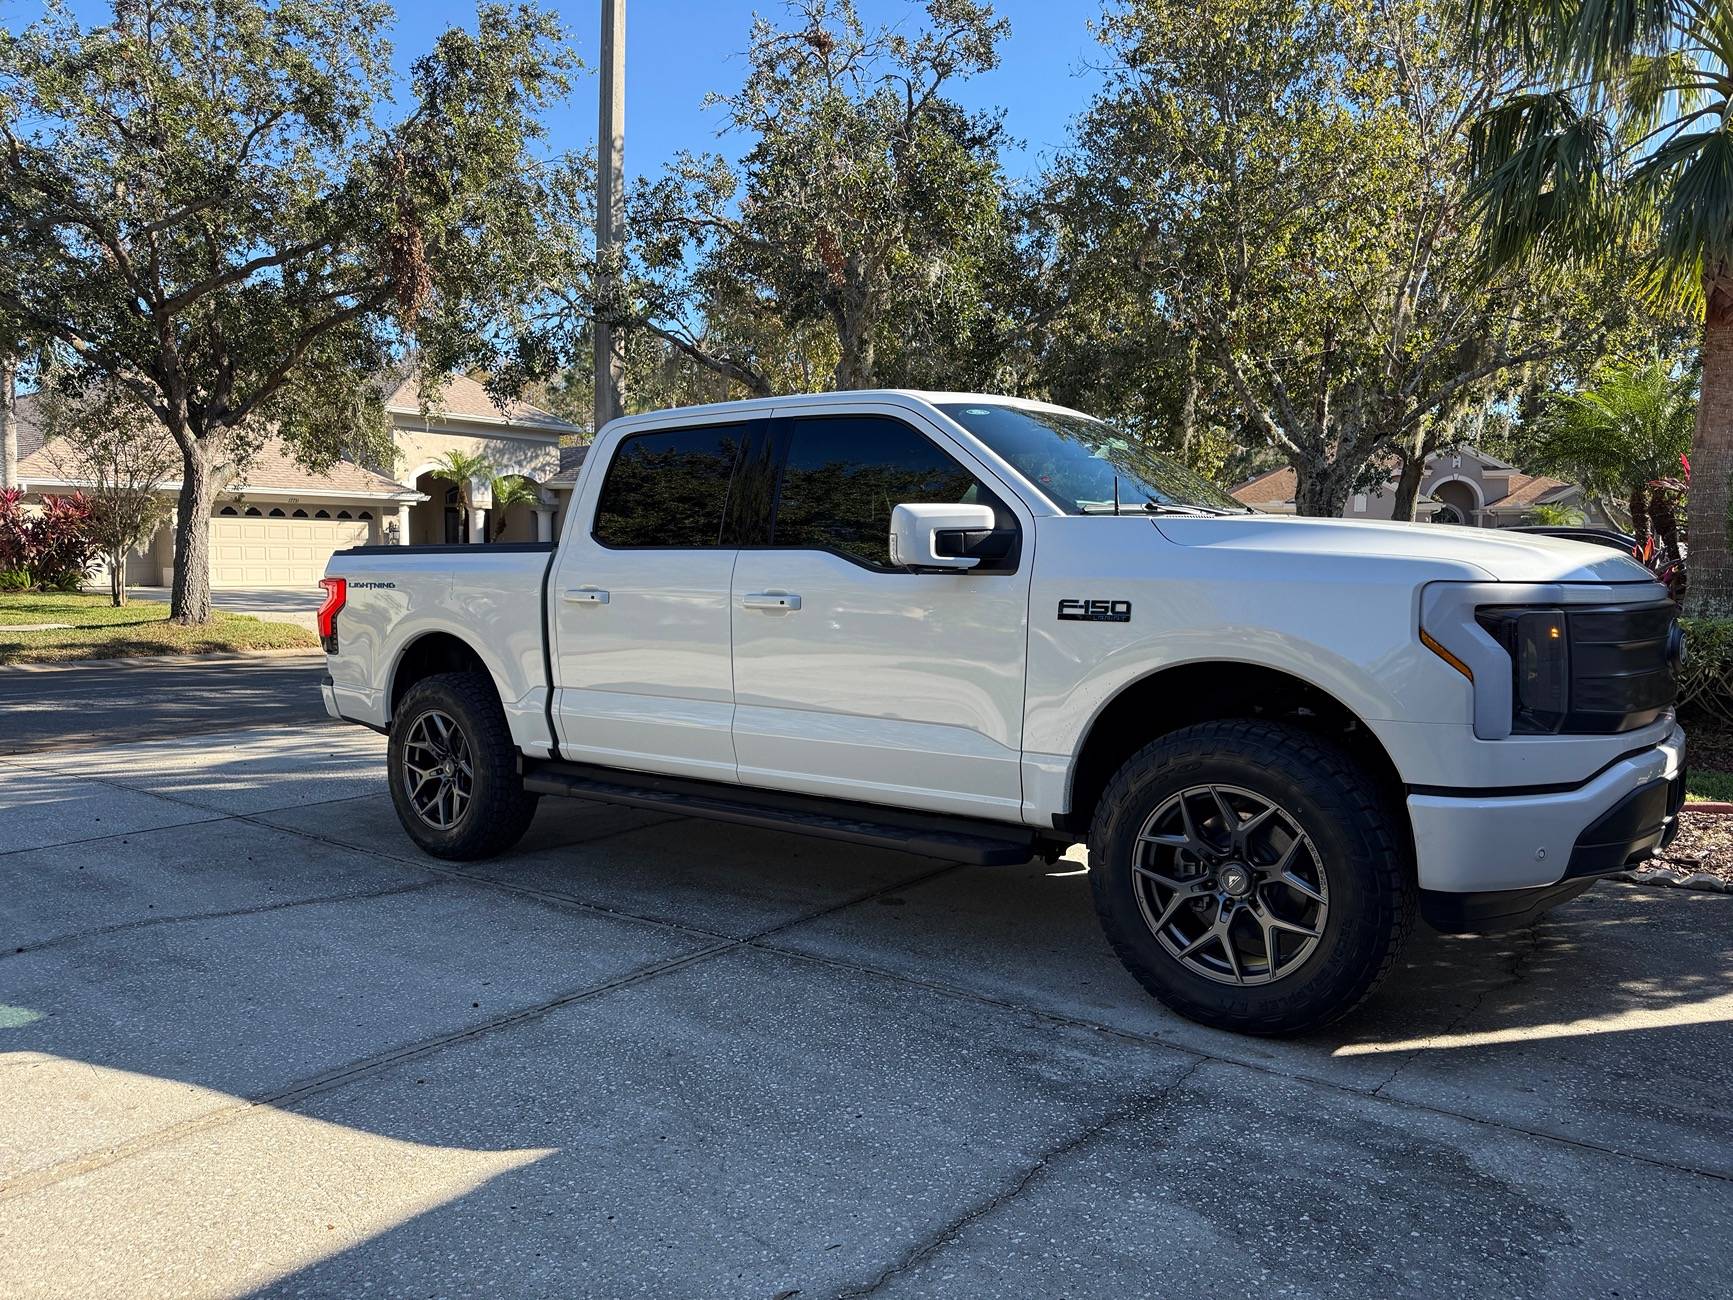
(428, 654)
(1178, 696)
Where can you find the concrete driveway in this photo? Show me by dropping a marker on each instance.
(252, 1043)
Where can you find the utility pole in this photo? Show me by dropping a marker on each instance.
(610, 200)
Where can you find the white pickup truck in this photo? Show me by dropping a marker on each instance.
(984, 629)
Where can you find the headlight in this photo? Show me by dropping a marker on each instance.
(1538, 642)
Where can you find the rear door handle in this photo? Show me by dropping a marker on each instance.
(586, 596)
(770, 600)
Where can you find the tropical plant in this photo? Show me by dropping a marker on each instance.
(1624, 139)
(1622, 437)
(221, 208)
(464, 471)
(63, 543)
(1555, 516)
(511, 490)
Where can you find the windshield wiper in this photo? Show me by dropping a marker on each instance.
(1149, 508)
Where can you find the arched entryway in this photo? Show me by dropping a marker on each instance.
(1458, 501)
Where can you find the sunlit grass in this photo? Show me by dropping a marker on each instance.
(100, 631)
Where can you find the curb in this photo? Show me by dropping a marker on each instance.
(163, 661)
(1707, 807)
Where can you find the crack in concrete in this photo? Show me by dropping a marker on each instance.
(949, 1232)
(150, 922)
(1528, 944)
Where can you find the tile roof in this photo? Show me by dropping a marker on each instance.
(571, 461)
(1269, 488)
(1529, 490)
(273, 468)
(463, 398)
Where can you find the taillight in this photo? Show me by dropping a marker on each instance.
(336, 596)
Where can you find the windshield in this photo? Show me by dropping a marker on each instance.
(1077, 462)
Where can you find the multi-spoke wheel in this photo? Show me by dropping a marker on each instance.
(1250, 876)
(1230, 884)
(453, 769)
(437, 771)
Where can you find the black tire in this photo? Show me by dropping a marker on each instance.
(496, 810)
(1328, 803)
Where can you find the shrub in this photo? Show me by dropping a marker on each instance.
(63, 542)
(15, 533)
(14, 579)
(1706, 679)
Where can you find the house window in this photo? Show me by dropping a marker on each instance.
(253, 513)
(365, 514)
(277, 513)
(321, 514)
(228, 510)
(1359, 503)
(299, 514)
(344, 514)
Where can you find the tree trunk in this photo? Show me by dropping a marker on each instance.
(1639, 506)
(1709, 590)
(1321, 491)
(190, 600)
(117, 577)
(855, 352)
(1408, 485)
(8, 421)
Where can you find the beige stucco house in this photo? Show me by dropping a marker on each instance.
(1460, 487)
(277, 525)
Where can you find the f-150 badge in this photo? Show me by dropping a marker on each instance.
(1095, 611)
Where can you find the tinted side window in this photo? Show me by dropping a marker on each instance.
(844, 475)
(669, 489)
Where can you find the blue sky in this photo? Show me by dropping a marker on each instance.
(677, 50)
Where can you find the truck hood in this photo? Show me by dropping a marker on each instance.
(1503, 556)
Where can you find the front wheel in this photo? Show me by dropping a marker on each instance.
(453, 769)
(1249, 876)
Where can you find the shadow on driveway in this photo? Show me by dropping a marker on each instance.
(274, 1049)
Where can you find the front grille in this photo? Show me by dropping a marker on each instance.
(1621, 666)
(1588, 669)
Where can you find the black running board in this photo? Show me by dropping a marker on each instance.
(955, 839)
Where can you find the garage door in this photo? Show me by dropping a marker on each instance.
(278, 552)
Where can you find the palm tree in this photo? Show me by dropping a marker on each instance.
(1621, 435)
(1623, 139)
(1555, 516)
(512, 490)
(464, 471)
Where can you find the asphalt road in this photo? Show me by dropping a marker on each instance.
(252, 1042)
(49, 706)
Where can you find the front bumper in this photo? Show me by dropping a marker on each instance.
(1533, 841)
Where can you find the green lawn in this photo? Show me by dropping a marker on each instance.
(100, 631)
(1707, 785)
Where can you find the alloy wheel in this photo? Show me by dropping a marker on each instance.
(438, 770)
(1230, 884)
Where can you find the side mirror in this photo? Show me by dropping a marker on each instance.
(946, 536)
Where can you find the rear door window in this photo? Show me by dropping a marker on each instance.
(670, 488)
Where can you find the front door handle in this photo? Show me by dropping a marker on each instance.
(586, 596)
(770, 600)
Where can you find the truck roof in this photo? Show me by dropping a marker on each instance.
(845, 397)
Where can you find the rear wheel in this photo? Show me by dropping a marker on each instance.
(1249, 876)
(453, 769)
